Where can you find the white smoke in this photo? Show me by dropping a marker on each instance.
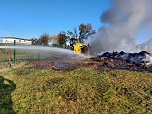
(122, 21)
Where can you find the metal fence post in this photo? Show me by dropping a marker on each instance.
(38, 55)
(14, 52)
(3, 56)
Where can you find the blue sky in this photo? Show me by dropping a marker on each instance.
(31, 18)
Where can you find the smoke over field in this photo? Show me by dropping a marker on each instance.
(121, 23)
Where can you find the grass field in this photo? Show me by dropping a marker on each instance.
(85, 90)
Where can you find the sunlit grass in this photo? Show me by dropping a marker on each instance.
(82, 90)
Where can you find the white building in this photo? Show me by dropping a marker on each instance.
(17, 40)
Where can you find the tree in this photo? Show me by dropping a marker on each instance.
(61, 39)
(44, 39)
(85, 31)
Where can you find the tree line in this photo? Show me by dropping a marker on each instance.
(61, 39)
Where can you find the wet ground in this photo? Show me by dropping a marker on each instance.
(98, 63)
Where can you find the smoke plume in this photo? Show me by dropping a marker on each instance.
(121, 23)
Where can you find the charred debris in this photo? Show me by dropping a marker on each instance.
(141, 58)
(140, 62)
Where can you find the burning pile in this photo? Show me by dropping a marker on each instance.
(141, 58)
(122, 22)
(141, 61)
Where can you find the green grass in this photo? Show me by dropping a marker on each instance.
(82, 90)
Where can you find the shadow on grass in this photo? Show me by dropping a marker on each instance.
(6, 87)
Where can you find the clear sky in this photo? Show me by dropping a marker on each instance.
(31, 18)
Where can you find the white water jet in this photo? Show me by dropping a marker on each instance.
(46, 52)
